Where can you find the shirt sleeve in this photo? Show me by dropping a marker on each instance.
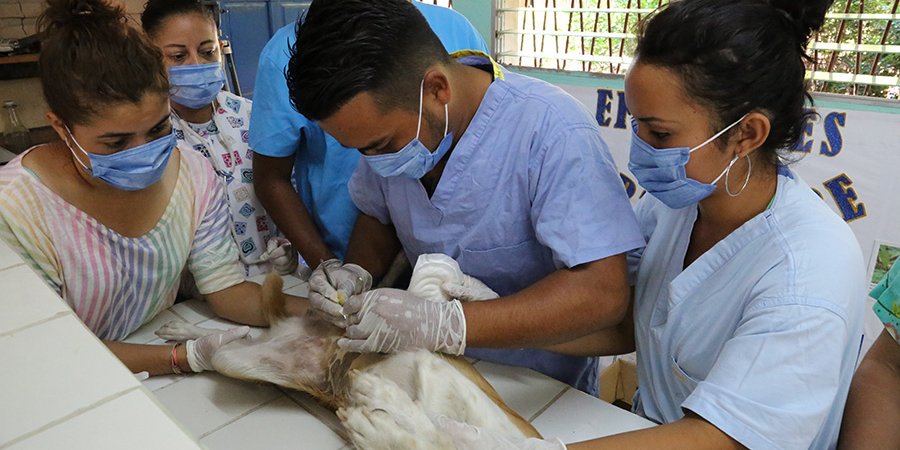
(887, 301)
(275, 126)
(367, 192)
(580, 209)
(23, 232)
(214, 255)
(644, 211)
(777, 379)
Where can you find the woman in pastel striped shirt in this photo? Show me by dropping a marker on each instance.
(112, 215)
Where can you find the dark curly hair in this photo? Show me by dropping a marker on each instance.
(739, 56)
(92, 57)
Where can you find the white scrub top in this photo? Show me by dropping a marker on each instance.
(529, 188)
(761, 334)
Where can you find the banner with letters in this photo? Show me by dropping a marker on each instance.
(849, 157)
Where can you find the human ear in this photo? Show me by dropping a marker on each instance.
(752, 133)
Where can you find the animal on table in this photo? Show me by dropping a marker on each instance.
(370, 392)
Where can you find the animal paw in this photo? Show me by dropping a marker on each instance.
(383, 416)
(178, 330)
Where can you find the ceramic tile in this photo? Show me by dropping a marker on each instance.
(300, 290)
(26, 299)
(577, 416)
(193, 311)
(279, 424)
(119, 423)
(158, 382)
(323, 414)
(8, 257)
(291, 281)
(145, 334)
(60, 368)
(207, 401)
(525, 391)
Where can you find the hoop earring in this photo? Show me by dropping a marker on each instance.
(746, 180)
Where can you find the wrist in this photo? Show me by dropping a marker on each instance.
(178, 359)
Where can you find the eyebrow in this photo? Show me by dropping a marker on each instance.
(374, 144)
(127, 134)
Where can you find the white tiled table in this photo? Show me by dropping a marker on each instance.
(61, 388)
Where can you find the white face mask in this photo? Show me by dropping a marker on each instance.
(414, 160)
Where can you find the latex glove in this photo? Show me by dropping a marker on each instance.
(281, 255)
(200, 351)
(470, 437)
(141, 376)
(388, 320)
(471, 289)
(331, 284)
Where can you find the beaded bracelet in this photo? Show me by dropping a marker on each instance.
(174, 360)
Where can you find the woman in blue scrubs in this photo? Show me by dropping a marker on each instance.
(748, 298)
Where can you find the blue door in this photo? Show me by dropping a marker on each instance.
(246, 25)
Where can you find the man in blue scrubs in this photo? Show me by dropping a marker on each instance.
(318, 217)
(504, 173)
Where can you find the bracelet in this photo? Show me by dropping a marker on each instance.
(174, 360)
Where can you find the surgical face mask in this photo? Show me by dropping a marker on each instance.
(414, 160)
(132, 169)
(195, 85)
(662, 171)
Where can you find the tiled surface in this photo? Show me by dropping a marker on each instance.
(67, 371)
(8, 258)
(206, 402)
(280, 424)
(577, 416)
(133, 420)
(525, 391)
(26, 300)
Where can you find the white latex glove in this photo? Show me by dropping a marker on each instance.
(471, 289)
(141, 376)
(388, 320)
(470, 437)
(331, 284)
(200, 351)
(281, 254)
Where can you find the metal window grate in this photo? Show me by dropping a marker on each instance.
(856, 52)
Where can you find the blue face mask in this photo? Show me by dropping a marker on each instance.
(132, 169)
(661, 171)
(195, 85)
(414, 160)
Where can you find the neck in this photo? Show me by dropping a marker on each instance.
(723, 212)
(201, 115)
(462, 109)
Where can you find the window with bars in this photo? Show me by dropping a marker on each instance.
(857, 51)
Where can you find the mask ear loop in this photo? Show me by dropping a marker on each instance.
(746, 180)
(72, 136)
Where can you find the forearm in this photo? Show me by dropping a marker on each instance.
(272, 184)
(689, 433)
(242, 304)
(616, 340)
(154, 359)
(567, 304)
(373, 246)
(874, 401)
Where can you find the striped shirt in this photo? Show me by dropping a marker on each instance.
(116, 283)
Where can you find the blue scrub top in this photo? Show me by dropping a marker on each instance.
(323, 166)
(529, 188)
(761, 334)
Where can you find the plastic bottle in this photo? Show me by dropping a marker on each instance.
(16, 137)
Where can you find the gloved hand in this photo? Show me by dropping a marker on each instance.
(471, 289)
(281, 254)
(387, 320)
(470, 437)
(331, 284)
(200, 351)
